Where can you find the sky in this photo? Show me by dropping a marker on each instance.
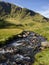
(40, 6)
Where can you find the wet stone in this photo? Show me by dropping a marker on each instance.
(22, 51)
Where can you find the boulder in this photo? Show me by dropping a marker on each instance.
(45, 44)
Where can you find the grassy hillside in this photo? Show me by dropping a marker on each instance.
(12, 12)
(42, 58)
(14, 17)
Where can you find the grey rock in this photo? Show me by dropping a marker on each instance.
(22, 51)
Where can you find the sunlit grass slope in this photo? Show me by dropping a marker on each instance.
(14, 18)
(42, 58)
(6, 33)
(40, 28)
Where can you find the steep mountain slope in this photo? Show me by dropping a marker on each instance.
(14, 20)
(15, 17)
(11, 12)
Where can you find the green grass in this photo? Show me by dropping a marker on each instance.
(42, 58)
(20, 19)
(6, 33)
(40, 28)
(15, 17)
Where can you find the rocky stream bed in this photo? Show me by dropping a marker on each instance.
(23, 50)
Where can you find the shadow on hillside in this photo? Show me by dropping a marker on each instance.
(6, 7)
(5, 24)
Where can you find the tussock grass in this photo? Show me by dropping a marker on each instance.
(42, 58)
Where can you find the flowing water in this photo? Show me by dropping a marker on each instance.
(22, 51)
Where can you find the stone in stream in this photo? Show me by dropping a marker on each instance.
(22, 51)
(45, 44)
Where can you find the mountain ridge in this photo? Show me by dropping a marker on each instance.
(10, 10)
(14, 19)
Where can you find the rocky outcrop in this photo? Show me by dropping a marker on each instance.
(22, 51)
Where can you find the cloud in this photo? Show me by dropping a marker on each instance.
(45, 11)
